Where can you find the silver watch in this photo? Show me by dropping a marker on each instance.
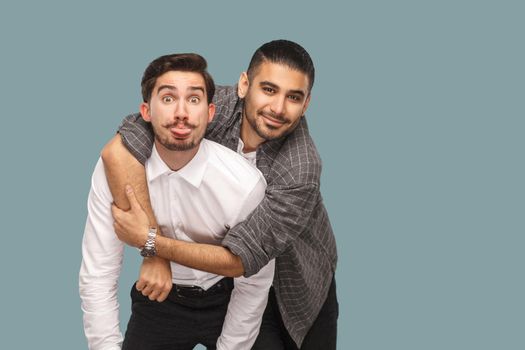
(149, 248)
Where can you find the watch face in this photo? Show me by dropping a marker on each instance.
(147, 252)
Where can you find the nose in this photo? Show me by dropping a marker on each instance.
(277, 105)
(181, 111)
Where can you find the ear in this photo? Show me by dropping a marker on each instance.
(211, 112)
(144, 111)
(244, 84)
(306, 103)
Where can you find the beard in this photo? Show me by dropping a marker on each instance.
(268, 132)
(177, 145)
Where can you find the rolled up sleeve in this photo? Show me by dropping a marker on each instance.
(280, 218)
(137, 136)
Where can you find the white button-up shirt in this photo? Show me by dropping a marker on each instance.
(216, 190)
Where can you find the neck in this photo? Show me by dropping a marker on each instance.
(249, 137)
(175, 160)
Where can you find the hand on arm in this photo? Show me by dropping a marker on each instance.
(121, 169)
(132, 228)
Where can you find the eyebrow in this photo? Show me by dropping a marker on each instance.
(168, 87)
(276, 87)
(197, 88)
(171, 87)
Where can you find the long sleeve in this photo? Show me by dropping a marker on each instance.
(244, 317)
(249, 296)
(137, 136)
(291, 219)
(102, 255)
(274, 225)
(291, 225)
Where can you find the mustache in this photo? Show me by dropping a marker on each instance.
(278, 117)
(175, 124)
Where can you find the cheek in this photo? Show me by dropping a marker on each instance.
(158, 109)
(295, 112)
(199, 114)
(257, 101)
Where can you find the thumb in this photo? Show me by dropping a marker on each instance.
(131, 197)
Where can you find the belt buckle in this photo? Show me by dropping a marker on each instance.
(189, 288)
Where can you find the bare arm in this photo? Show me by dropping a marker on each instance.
(123, 169)
(205, 257)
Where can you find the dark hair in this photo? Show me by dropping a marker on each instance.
(284, 52)
(184, 62)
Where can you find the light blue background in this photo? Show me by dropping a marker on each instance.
(417, 111)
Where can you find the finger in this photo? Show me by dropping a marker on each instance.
(154, 294)
(116, 211)
(162, 297)
(165, 292)
(117, 228)
(140, 285)
(131, 197)
(146, 291)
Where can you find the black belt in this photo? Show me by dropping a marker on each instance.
(223, 286)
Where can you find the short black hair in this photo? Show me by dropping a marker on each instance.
(184, 62)
(284, 52)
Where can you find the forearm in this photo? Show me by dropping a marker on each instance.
(123, 169)
(131, 227)
(205, 257)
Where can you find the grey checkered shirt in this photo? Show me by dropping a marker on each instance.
(291, 223)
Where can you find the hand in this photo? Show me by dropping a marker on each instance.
(131, 226)
(155, 278)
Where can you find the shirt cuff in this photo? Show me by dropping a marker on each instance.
(137, 137)
(238, 247)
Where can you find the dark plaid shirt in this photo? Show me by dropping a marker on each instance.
(291, 223)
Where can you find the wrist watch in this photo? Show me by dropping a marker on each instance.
(149, 248)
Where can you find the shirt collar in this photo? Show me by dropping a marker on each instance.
(193, 172)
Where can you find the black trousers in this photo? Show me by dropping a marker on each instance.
(186, 318)
(322, 334)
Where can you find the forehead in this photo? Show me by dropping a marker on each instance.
(180, 80)
(281, 75)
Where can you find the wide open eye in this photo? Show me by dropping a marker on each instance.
(194, 99)
(168, 99)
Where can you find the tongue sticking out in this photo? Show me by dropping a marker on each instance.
(180, 131)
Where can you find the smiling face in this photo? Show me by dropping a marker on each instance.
(275, 99)
(178, 110)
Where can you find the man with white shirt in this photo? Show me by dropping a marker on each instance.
(199, 189)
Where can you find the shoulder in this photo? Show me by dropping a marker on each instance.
(225, 94)
(232, 164)
(298, 159)
(225, 100)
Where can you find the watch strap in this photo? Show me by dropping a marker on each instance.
(149, 247)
